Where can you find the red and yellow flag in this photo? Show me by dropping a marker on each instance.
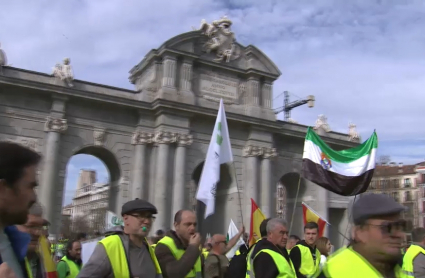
(49, 266)
(309, 215)
(257, 217)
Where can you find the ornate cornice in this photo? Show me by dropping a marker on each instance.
(142, 138)
(55, 125)
(269, 152)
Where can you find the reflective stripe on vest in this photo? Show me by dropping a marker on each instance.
(408, 258)
(309, 267)
(196, 271)
(74, 269)
(118, 258)
(28, 268)
(249, 262)
(347, 263)
(285, 268)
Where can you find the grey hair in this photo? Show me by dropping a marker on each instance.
(274, 222)
(36, 210)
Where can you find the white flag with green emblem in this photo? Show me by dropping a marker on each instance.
(231, 232)
(219, 152)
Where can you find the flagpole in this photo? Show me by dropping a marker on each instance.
(237, 188)
(295, 204)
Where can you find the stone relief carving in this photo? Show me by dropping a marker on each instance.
(251, 150)
(221, 39)
(292, 121)
(55, 125)
(165, 137)
(64, 72)
(353, 135)
(141, 138)
(322, 122)
(99, 136)
(185, 140)
(269, 152)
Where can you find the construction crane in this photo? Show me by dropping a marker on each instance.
(288, 106)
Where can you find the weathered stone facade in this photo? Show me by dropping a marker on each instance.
(154, 139)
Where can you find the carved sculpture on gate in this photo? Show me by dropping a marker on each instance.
(3, 59)
(99, 136)
(64, 72)
(353, 135)
(55, 125)
(322, 122)
(221, 39)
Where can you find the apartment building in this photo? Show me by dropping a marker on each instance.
(404, 183)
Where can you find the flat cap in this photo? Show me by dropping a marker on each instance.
(137, 205)
(373, 205)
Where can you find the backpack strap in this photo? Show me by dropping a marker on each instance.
(219, 265)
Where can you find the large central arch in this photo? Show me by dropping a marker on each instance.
(216, 223)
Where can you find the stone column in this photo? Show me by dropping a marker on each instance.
(163, 139)
(266, 181)
(169, 72)
(140, 139)
(47, 197)
(266, 93)
(179, 198)
(251, 154)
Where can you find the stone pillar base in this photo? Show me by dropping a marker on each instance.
(167, 93)
(253, 111)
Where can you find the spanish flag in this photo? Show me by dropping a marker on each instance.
(49, 266)
(257, 217)
(309, 215)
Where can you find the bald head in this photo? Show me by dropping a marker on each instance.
(185, 224)
(219, 244)
(181, 214)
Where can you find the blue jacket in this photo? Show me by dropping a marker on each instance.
(19, 241)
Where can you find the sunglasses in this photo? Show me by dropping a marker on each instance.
(389, 227)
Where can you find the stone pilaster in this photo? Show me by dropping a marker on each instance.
(163, 139)
(140, 139)
(183, 140)
(266, 181)
(251, 154)
(54, 127)
(169, 67)
(266, 94)
(186, 94)
(253, 96)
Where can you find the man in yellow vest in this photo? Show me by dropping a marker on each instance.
(126, 253)
(414, 259)
(305, 256)
(179, 252)
(377, 237)
(270, 257)
(254, 248)
(69, 266)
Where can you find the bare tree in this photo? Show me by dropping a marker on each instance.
(66, 230)
(80, 225)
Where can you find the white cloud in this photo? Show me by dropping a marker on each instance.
(363, 59)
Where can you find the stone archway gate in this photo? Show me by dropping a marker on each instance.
(161, 130)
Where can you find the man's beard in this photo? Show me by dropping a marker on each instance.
(8, 219)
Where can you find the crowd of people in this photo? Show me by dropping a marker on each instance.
(375, 248)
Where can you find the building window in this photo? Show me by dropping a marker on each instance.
(395, 196)
(395, 183)
(407, 182)
(372, 184)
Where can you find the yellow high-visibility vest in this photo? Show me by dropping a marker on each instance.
(348, 263)
(196, 271)
(74, 269)
(116, 254)
(309, 267)
(408, 258)
(285, 268)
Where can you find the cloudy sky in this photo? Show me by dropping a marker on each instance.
(364, 60)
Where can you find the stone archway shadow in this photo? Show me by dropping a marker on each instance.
(290, 186)
(216, 222)
(113, 167)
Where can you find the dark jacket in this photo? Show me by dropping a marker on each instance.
(172, 268)
(264, 265)
(19, 242)
(296, 257)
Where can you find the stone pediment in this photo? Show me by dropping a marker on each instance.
(191, 45)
